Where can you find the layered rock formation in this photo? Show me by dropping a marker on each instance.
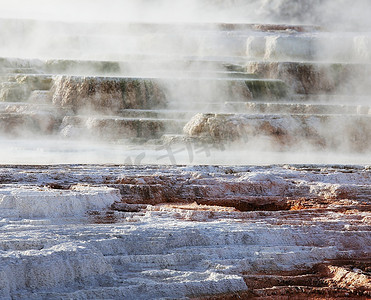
(152, 232)
(285, 131)
(106, 94)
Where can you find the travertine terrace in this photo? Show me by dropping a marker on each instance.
(104, 231)
(204, 160)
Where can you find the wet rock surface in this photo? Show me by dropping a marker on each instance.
(19, 87)
(115, 128)
(106, 94)
(284, 131)
(314, 78)
(168, 231)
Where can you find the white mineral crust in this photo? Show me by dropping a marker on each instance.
(65, 243)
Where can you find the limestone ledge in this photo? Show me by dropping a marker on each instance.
(285, 131)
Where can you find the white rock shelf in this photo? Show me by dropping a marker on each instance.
(27, 202)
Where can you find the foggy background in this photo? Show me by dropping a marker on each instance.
(81, 28)
(158, 39)
(344, 13)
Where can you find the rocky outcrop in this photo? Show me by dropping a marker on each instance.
(106, 95)
(318, 282)
(284, 131)
(21, 66)
(81, 67)
(315, 78)
(18, 88)
(294, 46)
(319, 108)
(115, 128)
(29, 124)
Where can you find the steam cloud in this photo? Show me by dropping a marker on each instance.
(87, 18)
(162, 39)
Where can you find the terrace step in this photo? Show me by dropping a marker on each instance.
(19, 63)
(316, 77)
(29, 124)
(296, 108)
(340, 99)
(12, 70)
(317, 46)
(156, 114)
(107, 94)
(113, 128)
(144, 65)
(19, 88)
(282, 132)
(195, 107)
(29, 107)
